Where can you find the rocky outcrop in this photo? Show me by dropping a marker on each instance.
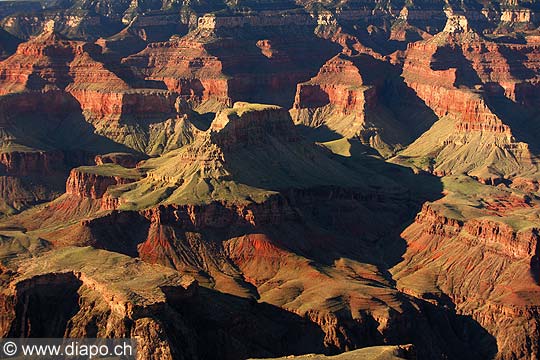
(42, 163)
(177, 64)
(83, 301)
(201, 66)
(43, 63)
(473, 85)
(123, 159)
(222, 215)
(168, 313)
(489, 266)
(72, 79)
(338, 98)
(50, 62)
(493, 235)
(290, 236)
(364, 98)
(437, 83)
(88, 182)
(248, 124)
(113, 105)
(339, 83)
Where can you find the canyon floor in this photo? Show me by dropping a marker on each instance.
(259, 179)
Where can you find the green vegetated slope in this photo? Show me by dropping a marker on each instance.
(249, 153)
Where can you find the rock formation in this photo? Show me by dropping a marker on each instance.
(272, 178)
(472, 85)
(201, 66)
(500, 286)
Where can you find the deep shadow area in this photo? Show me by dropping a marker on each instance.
(451, 57)
(273, 62)
(319, 134)
(515, 61)
(464, 338)
(412, 117)
(396, 118)
(535, 269)
(522, 120)
(362, 218)
(120, 232)
(238, 328)
(44, 305)
(61, 126)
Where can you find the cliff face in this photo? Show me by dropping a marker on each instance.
(168, 313)
(339, 84)
(99, 106)
(125, 160)
(49, 62)
(177, 65)
(474, 86)
(71, 307)
(490, 267)
(93, 186)
(246, 125)
(203, 66)
(72, 83)
(347, 98)
(103, 18)
(290, 232)
(27, 163)
(429, 70)
(261, 252)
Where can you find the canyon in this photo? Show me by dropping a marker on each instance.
(272, 179)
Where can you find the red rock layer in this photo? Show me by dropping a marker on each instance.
(361, 97)
(489, 274)
(54, 102)
(90, 185)
(439, 88)
(185, 67)
(452, 62)
(27, 163)
(214, 62)
(115, 105)
(49, 62)
(80, 301)
(339, 83)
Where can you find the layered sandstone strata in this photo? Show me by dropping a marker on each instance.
(27, 163)
(215, 62)
(123, 159)
(472, 84)
(85, 298)
(93, 182)
(178, 64)
(339, 99)
(489, 264)
(50, 62)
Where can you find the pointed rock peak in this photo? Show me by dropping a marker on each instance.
(458, 28)
(457, 24)
(49, 33)
(49, 27)
(404, 13)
